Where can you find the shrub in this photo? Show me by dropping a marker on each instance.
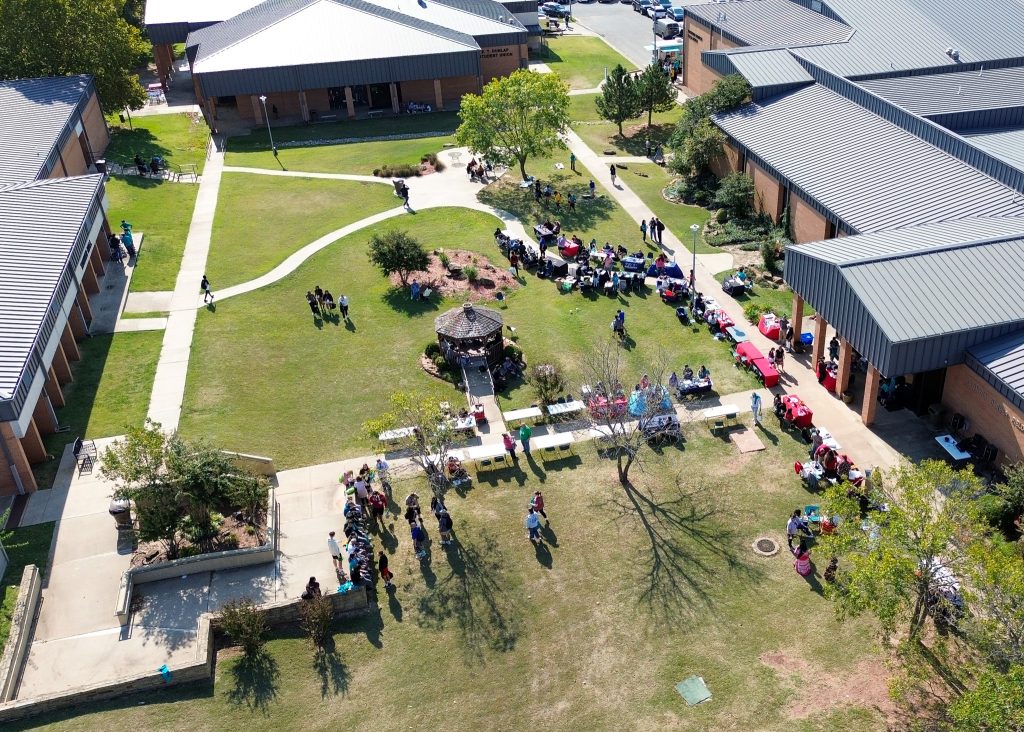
(245, 625)
(696, 190)
(444, 259)
(992, 509)
(471, 272)
(722, 215)
(228, 542)
(434, 161)
(397, 171)
(316, 615)
(770, 255)
(440, 363)
(753, 311)
(513, 352)
(433, 349)
(736, 193)
(547, 380)
(252, 496)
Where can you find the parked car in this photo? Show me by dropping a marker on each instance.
(555, 10)
(655, 11)
(665, 4)
(677, 14)
(626, 2)
(640, 6)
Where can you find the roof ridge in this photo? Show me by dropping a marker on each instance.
(43, 182)
(410, 21)
(252, 12)
(937, 248)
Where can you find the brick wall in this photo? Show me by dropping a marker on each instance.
(697, 77)
(453, 87)
(95, 126)
(501, 60)
(318, 101)
(420, 91)
(727, 162)
(808, 224)
(987, 412)
(768, 192)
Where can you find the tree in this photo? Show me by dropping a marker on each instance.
(395, 252)
(623, 427)
(65, 37)
(995, 704)
(728, 93)
(548, 381)
(517, 117)
(618, 100)
(699, 148)
(891, 567)
(431, 438)
(252, 496)
(736, 195)
(995, 595)
(654, 92)
(1012, 489)
(245, 625)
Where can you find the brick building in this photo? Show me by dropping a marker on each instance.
(52, 219)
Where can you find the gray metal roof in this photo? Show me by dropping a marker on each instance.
(963, 91)
(865, 172)
(1001, 363)
(42, 227)
(902, 35)
(35, 117)
(770, 68)
(914, 299)
(768, 23)
(1007, 144)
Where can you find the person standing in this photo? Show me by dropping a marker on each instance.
(513, 261)
(802, 562)
(794, 526)
(611, 169)
(833, 349)
(652, 227)
(593, 186)
(643, 229)
(445, 526)
(525, 432)
(572, 161)
(780, 355)
(537, 502)
(532, 523)
(783, 329)
(572, 201)
(755, 408)
(383, 570)
(204, 285)
(510, 446)
(661, 230)
(335, 551)
(377, 504)
(343, 304)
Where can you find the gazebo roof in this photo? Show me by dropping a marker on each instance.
(467, 322)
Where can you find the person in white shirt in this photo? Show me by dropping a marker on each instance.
(335, 551)
(795, 525)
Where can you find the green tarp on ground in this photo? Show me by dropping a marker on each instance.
(693, 690)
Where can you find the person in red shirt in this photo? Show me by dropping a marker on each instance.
(538, 504)
(510, 444)
(513, 260)
(377, 504)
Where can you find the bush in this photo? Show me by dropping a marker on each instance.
(722, 215)
(547, 380)
(228, 542)
(245, 625)
(770, 255)
(994, 510)
(433, 349)
(397, 171)
(698, 190)
(753, 311)
(434, 161)
(440, 362)
(444, 259)
(316, 615)
(513, 352)
(739, 232)
(736, 193)
(471, 272)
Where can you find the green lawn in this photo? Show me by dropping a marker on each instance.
(24, 546)
(305, 374)
(648, 181)
(260, 219)
(162, 211)
(180, 138)
(111, 390)
(601, 135)
(581, 61)
(359, 158)
(632, 592)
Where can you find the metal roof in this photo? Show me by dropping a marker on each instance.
(766, 68)
(1001, 363)
(867, 173)
(1006, 144)
(41, 225)
(914, 299)
(468, 321)
(963, 91)
(478, 18)
(35, 114)
(768, 23)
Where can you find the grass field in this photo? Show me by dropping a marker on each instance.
(631, 592)
(402, 124)
(260, 220)
(179, 138)
(581, 60)
(111, 390)
(264, 378)
(359, 158)
(780, 301)
(24, 546)
(162, 211)
(648, 181)
(602, 136)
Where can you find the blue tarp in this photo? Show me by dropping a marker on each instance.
(638, 400)
(670, 270)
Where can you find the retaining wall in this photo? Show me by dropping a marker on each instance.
(25, 608)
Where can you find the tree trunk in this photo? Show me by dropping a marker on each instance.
(625, 462)
(522, 166)
(650, 115)
(919, 615)
(620, 129)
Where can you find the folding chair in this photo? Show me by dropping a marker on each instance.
(501, 461)
(549, 453)
(718, 428)
(565, 450)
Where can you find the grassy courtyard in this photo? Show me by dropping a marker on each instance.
(648, 181)
(311, 375)
(580, 60)
(260, 219)
(24, 546)
(601, 135)
(632, 592)
(111, 390)
(180, 139)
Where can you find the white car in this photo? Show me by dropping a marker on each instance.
(655, 11)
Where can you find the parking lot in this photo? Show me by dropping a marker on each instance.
(628, 32)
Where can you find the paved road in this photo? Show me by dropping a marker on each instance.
(627, 31)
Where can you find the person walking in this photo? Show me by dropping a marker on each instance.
(537, 502)
(572, 201)
(611, 169)
(572, 161)
(335, 551)
(343, 304)
(384, 570)
(419, 536)
(643, 229)
(445, 526)
(755, 408)
(412, 509)
(510, 446)
(794, 526)
(532, 524)
(661, 230)
(204, 285)
(525, 432)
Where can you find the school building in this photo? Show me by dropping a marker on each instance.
(53, 229)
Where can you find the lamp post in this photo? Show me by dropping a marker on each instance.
(263, 99)
(694, 228)
(654, 34)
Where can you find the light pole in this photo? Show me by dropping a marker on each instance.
(654, 32)
(263, 99)
(694, 228)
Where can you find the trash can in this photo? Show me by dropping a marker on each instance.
(101, 167)
(120, 509)
(935, 416)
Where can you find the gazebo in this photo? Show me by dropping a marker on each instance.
(471, 332)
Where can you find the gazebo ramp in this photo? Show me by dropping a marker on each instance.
(480, 390)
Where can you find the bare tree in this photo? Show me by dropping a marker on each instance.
(623, 409)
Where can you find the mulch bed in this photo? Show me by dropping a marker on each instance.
(152, 552)
(490, 278)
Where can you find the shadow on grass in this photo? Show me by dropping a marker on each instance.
(125, 144)
(636, 143)
(331, 670)
(687, 549)
(589, 213)
(397, 298)
(473, 597)
(254, 680)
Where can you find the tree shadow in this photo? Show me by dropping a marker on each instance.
(687, 548)
(635, 144)
(472, 596)
(255, 681)
(397, 298)
(331, 670)
(589, 212)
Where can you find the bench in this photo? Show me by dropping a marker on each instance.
(85, 455)
(376, 113)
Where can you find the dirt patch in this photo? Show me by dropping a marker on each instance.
(452, 281)
(233, 534)
(817, 690)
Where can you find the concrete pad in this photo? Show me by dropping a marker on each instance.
(257, 582)
(85, 536)
(295, 571)
(148, 302)
(80, 597)
(172, 603)
(134, 325)
(715, 263)
(328, 501)
(310, 536)
(293, 506)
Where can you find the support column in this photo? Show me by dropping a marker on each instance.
(44, 416)
(303, 106)
(97, 259)
(438, 99)
(52, 385)
(257, 109)
(82, 301)
(394, 96)
(350, 103)
(820, 331)
(845, 364)
(90, 282)
(797, 321)
(61, 367)
(67, 342)
(32, 443)
(79, 328)
(870, 403)
(22, 470)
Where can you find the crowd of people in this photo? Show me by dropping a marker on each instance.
(321, 303)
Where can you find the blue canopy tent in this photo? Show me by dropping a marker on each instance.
(641, 401)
